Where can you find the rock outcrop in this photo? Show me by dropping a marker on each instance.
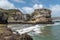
(7, 34)
(41, 16)
(3, 17)
(16, 16)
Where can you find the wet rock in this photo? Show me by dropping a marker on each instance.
(25, 37)
(7, 34)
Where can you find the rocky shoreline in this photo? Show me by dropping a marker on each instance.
(7, 34)
(30, 23)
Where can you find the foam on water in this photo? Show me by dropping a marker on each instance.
(56, 24)
(35, 29)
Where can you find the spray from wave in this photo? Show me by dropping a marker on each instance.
(36, 29)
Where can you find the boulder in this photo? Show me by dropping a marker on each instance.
(7, 34)
(25, 37)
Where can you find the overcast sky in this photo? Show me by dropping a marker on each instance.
(28, 6)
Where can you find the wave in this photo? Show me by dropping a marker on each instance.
(35, 29)
(56, 24)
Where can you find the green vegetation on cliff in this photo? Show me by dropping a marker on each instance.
(9, 10)
(13, 10)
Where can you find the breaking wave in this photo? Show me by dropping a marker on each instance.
(35, 29)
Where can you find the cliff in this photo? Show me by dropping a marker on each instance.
(10, 15)
(16, 16)
(41, 16)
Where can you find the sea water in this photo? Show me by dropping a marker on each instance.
(38, 31)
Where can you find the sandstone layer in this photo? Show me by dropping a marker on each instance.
(16, 16)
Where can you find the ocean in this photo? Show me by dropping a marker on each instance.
(38, 31)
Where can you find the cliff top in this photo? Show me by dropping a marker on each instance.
(42, 9)
(9, 10)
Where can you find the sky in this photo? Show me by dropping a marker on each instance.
(28, 6)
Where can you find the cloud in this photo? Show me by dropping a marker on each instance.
(2, 0)
(27, 9)
(38, 6)
(31, 9)
(55, 10)
(19, 1)
(6, 4)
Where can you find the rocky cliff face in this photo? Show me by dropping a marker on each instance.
(15, 15)
(11, 15)
(3, 17)
(41, 16)
(38, 16)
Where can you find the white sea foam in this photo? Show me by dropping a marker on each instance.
(35, 28)
(56, 24)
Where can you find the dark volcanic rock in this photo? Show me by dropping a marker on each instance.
(25, 37)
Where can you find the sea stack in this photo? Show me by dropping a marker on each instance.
(41, 16)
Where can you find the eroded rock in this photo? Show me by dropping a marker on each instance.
(7, 34)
